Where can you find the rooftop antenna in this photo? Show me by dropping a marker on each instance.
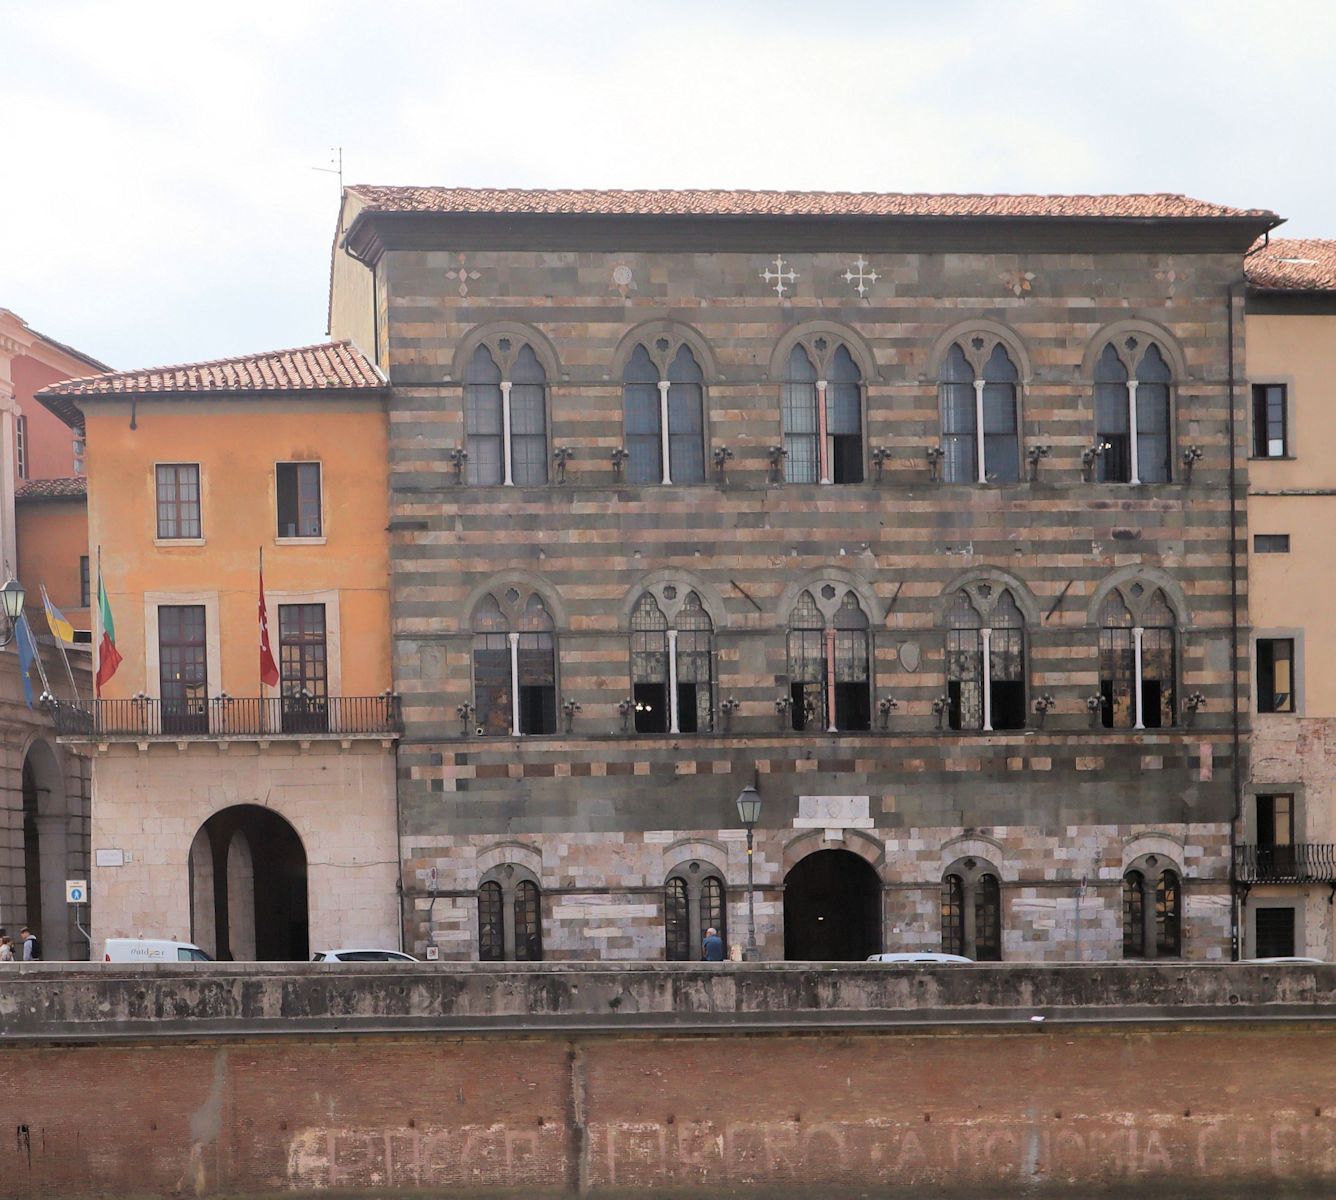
(335, 167)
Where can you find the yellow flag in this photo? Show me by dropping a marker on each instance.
(61, 628)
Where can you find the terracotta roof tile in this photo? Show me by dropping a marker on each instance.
(331, 366)
(1293, 265)
(1154, 206)
(73, 488)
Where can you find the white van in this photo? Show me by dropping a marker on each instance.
(152, 950)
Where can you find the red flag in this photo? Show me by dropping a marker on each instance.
(108, 657)
(268, 668)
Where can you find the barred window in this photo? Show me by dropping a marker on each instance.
(514, 668)
(510, 917)
(1152, 914)
(693, 903)
(830, 665)
(1137, 662)
(672, 667)
(822, 410)
(971, 911)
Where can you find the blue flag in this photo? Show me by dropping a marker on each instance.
(27, 654)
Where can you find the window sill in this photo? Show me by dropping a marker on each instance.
(161, 541)
(1272, 457)
(300, 541)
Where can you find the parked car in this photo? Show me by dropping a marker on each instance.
(1286, 959)
(362, 956)
(919, 957)
(152, 950)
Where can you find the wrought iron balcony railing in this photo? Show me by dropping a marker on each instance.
(1303, 862)
(232, 716)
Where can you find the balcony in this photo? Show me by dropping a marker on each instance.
(231, 717)
(1302, 862)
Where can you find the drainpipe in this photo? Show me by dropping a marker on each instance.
(1235, 735)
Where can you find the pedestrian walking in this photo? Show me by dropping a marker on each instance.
(32, 950)
(6, 948)
(713, 946)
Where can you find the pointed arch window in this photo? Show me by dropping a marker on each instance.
(823, 414)
(514, 667)
(672, 666)
(971, 911)
(1132, 413)
(1137, 660)
(1152, 910)
(665, 416)
(980, 428)
(510, 916)
(505, 415)
(829, 661)
(693, 902)
(985, 661)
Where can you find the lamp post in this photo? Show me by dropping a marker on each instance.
(749, 810)
(11, 596)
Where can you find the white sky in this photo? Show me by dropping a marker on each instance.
(158, 205)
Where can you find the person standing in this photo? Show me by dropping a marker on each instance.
(713, 946)
(6, 948)
(32, 951)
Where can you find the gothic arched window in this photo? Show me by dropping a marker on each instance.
(510, 916)
(1137, 659)
(693, 902)
(822, 408)
(985, 660)
(1133, 413)
(672, 666)
(1152, 909)
(665, 416)
(505, 415)
(830, 663)
(980, 430)
(514, 666)
(971, 910)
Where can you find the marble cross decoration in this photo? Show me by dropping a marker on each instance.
(463, 274)
(779, 276)
(860, 276)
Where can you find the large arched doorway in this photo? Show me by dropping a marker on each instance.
(832, 908)
(46, 851)
(248, 887)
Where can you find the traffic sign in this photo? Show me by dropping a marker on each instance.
(76, 891)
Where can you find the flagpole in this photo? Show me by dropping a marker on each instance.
(60, 641)
(97, 631)
(37, 656)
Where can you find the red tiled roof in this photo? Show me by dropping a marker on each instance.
(1293, 265)
(73, 488)
(1153, 206)
(331, 366)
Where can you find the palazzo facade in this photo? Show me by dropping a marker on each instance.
(924, 515)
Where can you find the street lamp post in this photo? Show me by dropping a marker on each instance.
(749, 810)
(11, 597)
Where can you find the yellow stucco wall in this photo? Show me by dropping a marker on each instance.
(1296, 590)
(237, 444)
(52, 535)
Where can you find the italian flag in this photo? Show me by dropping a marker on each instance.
(108, 657)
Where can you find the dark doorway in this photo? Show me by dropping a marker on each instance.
(832, 908)
(32, 850)
(248, 887)
(1275, 933)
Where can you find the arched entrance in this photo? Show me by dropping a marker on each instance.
(248, 887)
(46, 849)
(832, 908)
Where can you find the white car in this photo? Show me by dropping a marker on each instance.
(1287, 959)
(919, 957)
(152, 950)
(359, 955)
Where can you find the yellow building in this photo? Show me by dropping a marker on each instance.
(1285, 859)
(255, 818)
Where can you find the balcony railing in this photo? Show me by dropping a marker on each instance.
(1303, 862)
(232, 716)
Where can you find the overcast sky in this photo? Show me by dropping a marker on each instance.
(158, 202)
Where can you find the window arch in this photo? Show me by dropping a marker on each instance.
(514, 664)
(978, 384)
(985, 659)
(663, 394)
(822, 409)
(510, 916)
(694, 901)
(1152, 909)
(830, 662)
(1133, 423)
(672, 665)
(1137, 658)
(505, 414)
(971, 910)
